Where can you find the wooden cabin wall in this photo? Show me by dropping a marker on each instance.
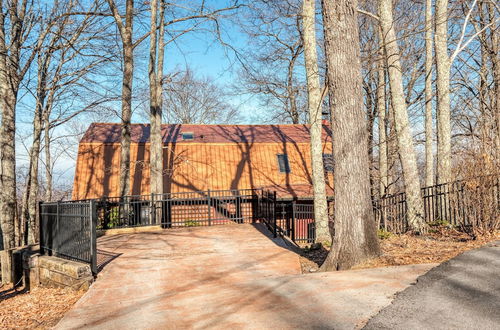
(193, 167)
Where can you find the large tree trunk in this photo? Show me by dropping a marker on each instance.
(315, 120)
(404, 138)
(128, 76)
(355, 235)
(495, 63)
(429, 155)
(8, 207)
(155, 93)
(443, 93)
(9, 86)
(382, 129)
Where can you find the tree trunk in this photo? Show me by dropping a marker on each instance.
(355, 235)
(9, 86)
(32, 184)
(443, 93)
(155, 90)
(128, 76)
(38, 118)
(48, 158)
(404, 138)
(429, 154)
(8, 207)
(315, 120)
(495, 63)
(382, 130)
(292, 97)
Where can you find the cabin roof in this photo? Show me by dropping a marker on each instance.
(109, 133)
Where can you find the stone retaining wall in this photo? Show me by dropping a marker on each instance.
(57, 272)
(33, 269)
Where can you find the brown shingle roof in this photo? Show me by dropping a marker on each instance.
(172, 133)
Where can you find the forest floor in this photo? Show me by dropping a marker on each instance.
(39, 308)
(440, 245)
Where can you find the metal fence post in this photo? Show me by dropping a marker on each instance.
(40, 226)
(209, 208)
(57, 235)
(274, 215)
(93, 236)
(293, 221)
(152, 213)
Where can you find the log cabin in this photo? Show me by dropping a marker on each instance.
(203, 157)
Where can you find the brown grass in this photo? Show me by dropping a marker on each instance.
(40, 308)
(436, 247)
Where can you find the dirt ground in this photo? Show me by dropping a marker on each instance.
(440, 245)
(40, 308)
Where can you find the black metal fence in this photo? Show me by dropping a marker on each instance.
(266, 210)
(68, 230)
(442, 202)
(186, 209)
(296, 220)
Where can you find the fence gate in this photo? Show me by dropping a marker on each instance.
(266, 210)
(68, 230)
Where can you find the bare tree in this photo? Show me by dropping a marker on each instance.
(126, 32)
(354, 236)
(156, 54)
(429, 94)
(444, 63)
(272, 59)
(189, 99)
(15, 24)
(382, 127)
(60, 71)
(404, 137)
(315, 120)
(443, 66)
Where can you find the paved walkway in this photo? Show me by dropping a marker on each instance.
(230, 276)
(462, 293)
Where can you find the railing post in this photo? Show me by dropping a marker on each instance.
(40, 225)
(152, 213)
(57, 235)
(274, 216)
(293, 221)
(209, 208)
(93, 237)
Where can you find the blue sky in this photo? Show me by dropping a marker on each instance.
(198, 50)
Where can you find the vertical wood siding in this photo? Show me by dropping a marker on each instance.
(195, 166)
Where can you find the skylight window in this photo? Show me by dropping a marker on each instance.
(188, 136)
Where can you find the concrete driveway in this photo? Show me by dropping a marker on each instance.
(232, 276)
(462, 293)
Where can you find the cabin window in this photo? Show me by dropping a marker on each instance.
(188, 136)
(328, 162)
(283, 164)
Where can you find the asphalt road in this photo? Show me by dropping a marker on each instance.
(463, 293)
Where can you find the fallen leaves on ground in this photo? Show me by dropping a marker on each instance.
(438, 246)
(39, 308)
